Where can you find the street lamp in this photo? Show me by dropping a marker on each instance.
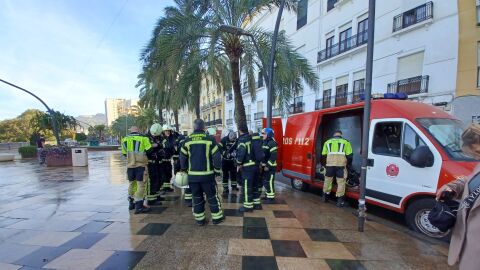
(50, 111)
(366, 115)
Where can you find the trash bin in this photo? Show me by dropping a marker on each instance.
(79, 157)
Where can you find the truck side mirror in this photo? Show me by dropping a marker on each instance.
(422, 157)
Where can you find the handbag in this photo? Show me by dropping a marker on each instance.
(444, 215)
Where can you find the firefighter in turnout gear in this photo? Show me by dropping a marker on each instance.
(269, 165)
(166, 164)
(228, 145)
(155, 156)
(339, 155)
(246, 166)
(258, 157)
(200, 157)
(134, 146)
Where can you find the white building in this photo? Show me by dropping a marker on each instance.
(116, 107)
(416, 49)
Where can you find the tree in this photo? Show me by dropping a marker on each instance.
(188, 47)
(99, 129)
(121, 125)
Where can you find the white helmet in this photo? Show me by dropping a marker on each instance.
(211, 131)
(156, 129)
(167, 127)
(181, 179)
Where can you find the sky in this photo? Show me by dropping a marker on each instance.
(73, 54)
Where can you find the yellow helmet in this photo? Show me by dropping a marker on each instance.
(181, 179)
(156, 129)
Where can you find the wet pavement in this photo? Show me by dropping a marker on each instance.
(77, 218)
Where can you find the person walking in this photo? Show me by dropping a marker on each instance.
(339, 154)
(200, 157)
(246, 166)
(228, 145)
(134, 147)
(464, 248)
(269, 164)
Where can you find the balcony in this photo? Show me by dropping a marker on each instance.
(218, 121)
(245, 90)
(323, 103)
(258, 116)
(229, 122)
(276, 112)
(260, 82)
(410, 86)
(229, 96)
(343, 46)
(298, 107)
(218, 101)
(339, 100)
(413, 16)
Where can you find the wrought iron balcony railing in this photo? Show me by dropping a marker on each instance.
(343, 46)
(410, 86)
(258, 116)
(413, 16)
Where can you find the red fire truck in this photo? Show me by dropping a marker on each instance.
(399, 129)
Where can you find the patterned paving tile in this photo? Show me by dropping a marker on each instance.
(122, 260)
(283, 223)
(255, 233)
(51, 239)
(283, 214)
(10, 252)
(322, 235)
(154, 229)
(345, 265)
(250, 247)
(93, 226)
(254, 262)
(232, 213)
(117, 242)
(285, 248)
(84, 240)
(293, 263)
(42, 256)
(8, 266)
(254, 222)
(326, 250)
(79, 259)
(288, 234)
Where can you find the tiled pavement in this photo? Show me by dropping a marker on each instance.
(77, 218)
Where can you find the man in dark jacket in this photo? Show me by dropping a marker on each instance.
(228, 145)
(166, 164)
(201, 159)
(247, 166)
(258, 156)
(155, 156)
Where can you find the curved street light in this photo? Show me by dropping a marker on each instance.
(50, 111)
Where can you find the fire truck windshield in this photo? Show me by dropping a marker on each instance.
(448, 133)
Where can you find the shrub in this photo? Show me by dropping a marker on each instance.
(28, 151)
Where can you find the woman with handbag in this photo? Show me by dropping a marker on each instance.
(465, 242)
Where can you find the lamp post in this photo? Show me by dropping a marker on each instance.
(50, 111)
(366, 115)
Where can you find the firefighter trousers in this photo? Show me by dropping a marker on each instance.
(165, 174)
(248, 176)
(209, 188)
(340, 173)
(188, 194)
(229, 173)
(153, 190)
(269, 182)
(257, 186)
(136, 188)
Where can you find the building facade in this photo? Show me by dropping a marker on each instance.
(467, 98)
(185, 120)
(116, 107)
(416, 52)
(212, 105)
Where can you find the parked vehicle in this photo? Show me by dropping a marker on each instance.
(414, 149)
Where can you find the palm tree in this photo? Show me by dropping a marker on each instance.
(187, 46)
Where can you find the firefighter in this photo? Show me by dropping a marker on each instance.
(134, 146)
(228, 145)
(200, 157)
(339, 155)
(166, 164)
(246, 166)
(155, 156)
(269, 165)
(258, 157)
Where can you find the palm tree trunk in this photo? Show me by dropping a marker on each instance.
(160, 115)
(240, 117)
(175, 115)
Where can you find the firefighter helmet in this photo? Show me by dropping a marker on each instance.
(181, 179)
(211, 131)
(167, 127)
(156, 129)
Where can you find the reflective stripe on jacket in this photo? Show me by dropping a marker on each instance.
(134, 147)
(337, 149)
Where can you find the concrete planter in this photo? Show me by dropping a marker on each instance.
(58, 156)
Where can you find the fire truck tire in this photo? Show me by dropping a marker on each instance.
(299, 184)
(416, 217)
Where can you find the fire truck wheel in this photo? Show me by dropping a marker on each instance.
(299, 184)
(417, 218)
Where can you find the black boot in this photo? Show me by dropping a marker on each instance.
(257, 207)
(202, 222)
(269, 201)
(243, 209)
(325, 197)
(341, 201)
(139, 208)
(218, 221)
(131, 204)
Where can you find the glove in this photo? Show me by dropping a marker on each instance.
(445, 194)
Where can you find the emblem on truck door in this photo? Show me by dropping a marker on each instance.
(392, 170)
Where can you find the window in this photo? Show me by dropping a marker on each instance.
(327, 95)
(358, 85)
(387, 139)
(478, 12)
(410, 66)
(260, 79)
(219, 113)
(478, 64)
(260, 106)
(411, 141)
(214, 116)
(302, 13)
(229, 114)
(331, 4)
(345, 39)
(362, 36)
(328, 46)
(341, 91)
